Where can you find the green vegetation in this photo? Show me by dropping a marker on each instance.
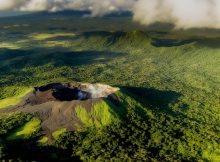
(9, 46)
(145, 135)
(84, 116)
(101, 114)
(26, 131)
(43, 140)
(8, 122)
(17, 92)
(58, 133)
(44, 36)
(170, 91)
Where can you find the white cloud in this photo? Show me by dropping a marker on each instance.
(182, 13)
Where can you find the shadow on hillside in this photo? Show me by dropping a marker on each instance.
(62, 38)
(210, 43)
(29, 150)
(15, 59)
(96, 34)
(169, 42)
(156, 100)
(116, 106)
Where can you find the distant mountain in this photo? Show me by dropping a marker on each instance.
(12, 13)
(61, 13)
(84, 13)
(65, 13)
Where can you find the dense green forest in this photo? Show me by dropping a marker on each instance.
(169, 98)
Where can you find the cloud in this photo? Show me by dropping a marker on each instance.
(101, 7)
(8, 5)
(182, 13)
(97, 7)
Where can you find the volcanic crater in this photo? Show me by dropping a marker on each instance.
(55, 103)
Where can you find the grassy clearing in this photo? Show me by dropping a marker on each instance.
(84, 116)
(43, 140)
(11, 121)
(44, 36)
(17, 96)
(58, 133)
(102, 114)
(9, 45)
(27, 130)
(50, 44)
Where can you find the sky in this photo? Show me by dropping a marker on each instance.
(183, 14)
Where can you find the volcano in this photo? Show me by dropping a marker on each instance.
(60, 105)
